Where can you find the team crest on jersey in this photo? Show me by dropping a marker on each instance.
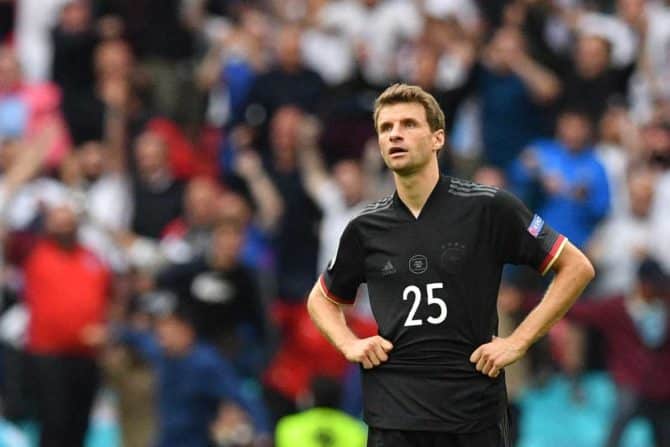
(535, 226)
(453, 254)
(418, 264)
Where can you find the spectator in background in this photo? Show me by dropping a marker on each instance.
(156, 195)
(375, 29)
(654, 149)
(326, 48)
(573, 185)
(20, 193)
(132, 380)
(26, 108)
(34, 22)
(616, 150)
(259, 186)
(224, 298)
(650, 22)
(339, 194)
(236, 56)
(660, 213)
(440, 62)
(323, 424)
(162, 34)
(623, 240)
(513, 88)
(288, 82)
(257, 251)
(193, 381)
(296, 238)
(190, 235)
(74, 41)
(636, 328)
(93, 175)
(654, 144)
(66, 292)
(21, 189)
(590, 81)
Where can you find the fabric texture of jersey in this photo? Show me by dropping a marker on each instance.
(433, 283)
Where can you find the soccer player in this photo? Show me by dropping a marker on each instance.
(432, 255)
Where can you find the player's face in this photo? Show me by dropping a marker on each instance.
(406, 142)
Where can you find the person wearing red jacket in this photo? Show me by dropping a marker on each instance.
(636, 329)
(66, 293)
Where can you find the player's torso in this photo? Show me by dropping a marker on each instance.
(432, 281)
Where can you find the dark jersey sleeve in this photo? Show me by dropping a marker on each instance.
(521, 237)
(346, 270)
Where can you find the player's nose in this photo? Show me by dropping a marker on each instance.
(395, 133)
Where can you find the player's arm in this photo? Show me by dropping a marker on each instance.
(329, 318)
(573, 271)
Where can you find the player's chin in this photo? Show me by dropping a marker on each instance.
(401, 166)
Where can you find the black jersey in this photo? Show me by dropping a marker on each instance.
(433, 285)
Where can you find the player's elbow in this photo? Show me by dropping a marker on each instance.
(310, 302)
(584, 269)
(576, 265)
(314, 299)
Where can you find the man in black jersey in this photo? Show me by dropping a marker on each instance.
(432, 256)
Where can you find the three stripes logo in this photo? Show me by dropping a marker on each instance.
(388, 268)
(467, 189)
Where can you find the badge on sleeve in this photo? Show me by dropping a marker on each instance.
(535, 226)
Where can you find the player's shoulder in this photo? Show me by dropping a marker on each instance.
(471, 191)
(476, 195)
(380, 207)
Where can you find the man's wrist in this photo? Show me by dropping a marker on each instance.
(520, 341)
(343, 345)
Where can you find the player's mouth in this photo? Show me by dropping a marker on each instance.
(397, 151)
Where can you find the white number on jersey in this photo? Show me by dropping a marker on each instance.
(431, 299)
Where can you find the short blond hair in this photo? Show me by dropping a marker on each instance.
(404, 93)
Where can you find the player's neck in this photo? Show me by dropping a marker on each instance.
(415, 189)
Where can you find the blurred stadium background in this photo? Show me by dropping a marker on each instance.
(174, 170)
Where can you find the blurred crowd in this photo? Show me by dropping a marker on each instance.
(174, 174)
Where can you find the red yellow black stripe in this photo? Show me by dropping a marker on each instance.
(553, 254)
(331, 296)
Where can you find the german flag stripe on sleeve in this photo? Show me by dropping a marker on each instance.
(553, 254)
(331, 296)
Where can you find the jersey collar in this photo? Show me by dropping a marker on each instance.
(442, 183)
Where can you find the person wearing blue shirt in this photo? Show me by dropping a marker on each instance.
(572, 184)
(194, 383)
(515, 93)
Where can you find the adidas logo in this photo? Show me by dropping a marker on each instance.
(388, 269)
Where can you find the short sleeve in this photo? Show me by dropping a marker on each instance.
(522, 237)
(346, 270)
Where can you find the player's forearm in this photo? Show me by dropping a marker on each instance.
(573, 273)
(329, 318)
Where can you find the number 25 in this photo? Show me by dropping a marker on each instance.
(416, 292)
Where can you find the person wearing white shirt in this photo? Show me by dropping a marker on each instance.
(620, 243)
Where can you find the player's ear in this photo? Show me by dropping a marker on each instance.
(438, 139)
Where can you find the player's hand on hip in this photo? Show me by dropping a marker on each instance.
(370, 352)
(490, 358)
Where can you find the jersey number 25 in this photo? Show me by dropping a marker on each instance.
(415, 291)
